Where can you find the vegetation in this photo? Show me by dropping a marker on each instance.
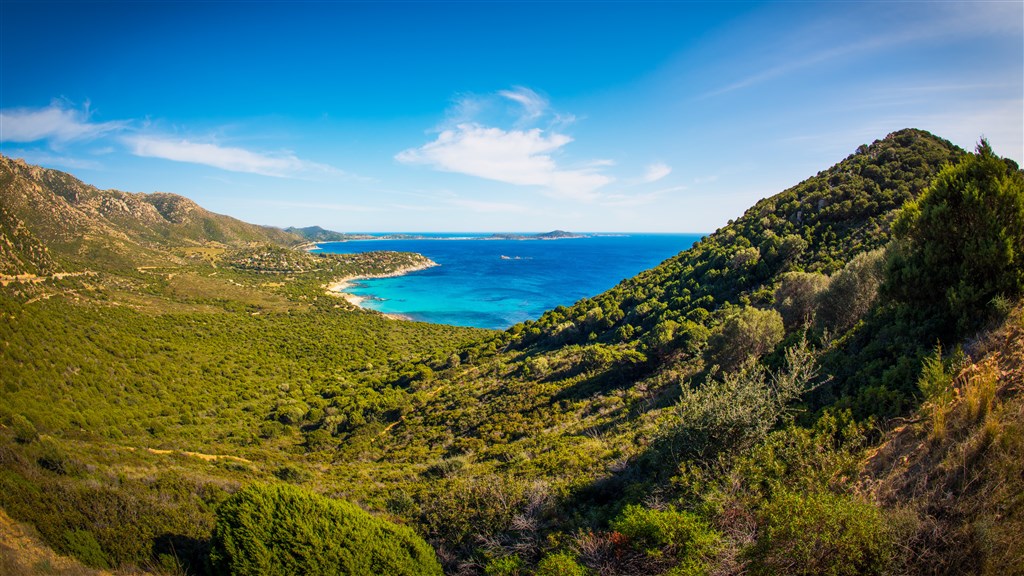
(286, 530)
(785, 397)
(966, 236)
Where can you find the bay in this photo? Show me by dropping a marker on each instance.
(496, 283)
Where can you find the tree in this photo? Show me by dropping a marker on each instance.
(851, 291)
(281, 529)
(750, 333)
(961, 244)
(796, 298)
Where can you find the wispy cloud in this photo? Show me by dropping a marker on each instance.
(800, 63)
(656, 172)
(48, 159)
(946, 20)
(521, 157)
(634, 200)
(281, 165)
(534, 105)
(320, 206)
(56, 124)
(487, 207)
(60, 126)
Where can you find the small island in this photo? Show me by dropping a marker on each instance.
(553, 235)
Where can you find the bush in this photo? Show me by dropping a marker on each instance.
(24, 431)
(668, 531)
(741, 408)
(280, 529)
(560, 564)
(796, 298)
(961, 244)
(821, 533)
(505, 566)
(83, 545)
(748, 334)
(666, 539)
(851, 292)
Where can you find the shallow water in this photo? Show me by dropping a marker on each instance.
(498, 283)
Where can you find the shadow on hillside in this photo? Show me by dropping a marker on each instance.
(642, 478)
(616, 377)
(182, 554)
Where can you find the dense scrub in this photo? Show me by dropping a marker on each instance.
(711, 415)
(279, 529)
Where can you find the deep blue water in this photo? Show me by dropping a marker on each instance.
(475, 286)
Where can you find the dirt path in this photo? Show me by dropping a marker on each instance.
(33, 279)
(200, 455)
(388, 428)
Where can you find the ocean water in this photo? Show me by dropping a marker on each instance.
(490, 283)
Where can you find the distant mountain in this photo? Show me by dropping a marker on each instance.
(50, 220)
(318, 234)
(553, 235)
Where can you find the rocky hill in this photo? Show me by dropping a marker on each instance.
(51, 221)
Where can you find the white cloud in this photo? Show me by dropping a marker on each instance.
(521, 157)
(54, 123)
(656, 172)
(283, 165)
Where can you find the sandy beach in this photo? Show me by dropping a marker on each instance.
(338, 287)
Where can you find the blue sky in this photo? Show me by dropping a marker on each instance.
(494, 116)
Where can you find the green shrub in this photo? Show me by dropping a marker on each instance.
(560, 564)
(665, 531)
(24, 431)
(961, 244)
(281, 529)
(505, 566)
(742, 407)
(796, 298)
(821, 533)
(748, 334)
(851, 292)
(83, 545)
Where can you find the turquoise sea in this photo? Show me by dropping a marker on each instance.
(490, 283)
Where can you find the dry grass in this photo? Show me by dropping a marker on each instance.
(957, 475)
(23, 553)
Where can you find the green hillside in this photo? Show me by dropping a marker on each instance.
(51, 220)
(760, 403)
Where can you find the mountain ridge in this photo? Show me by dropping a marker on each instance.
(44, 208)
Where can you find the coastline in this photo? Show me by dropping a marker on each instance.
(338, 287)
